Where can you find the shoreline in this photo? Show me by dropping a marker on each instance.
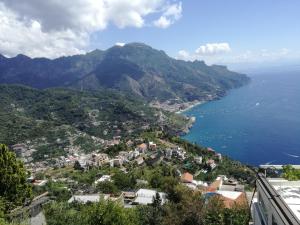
(191, 119)
(190, 107)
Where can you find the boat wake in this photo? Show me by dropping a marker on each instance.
(268, 163)
(295, 156)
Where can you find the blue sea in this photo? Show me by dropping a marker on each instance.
(256, 124)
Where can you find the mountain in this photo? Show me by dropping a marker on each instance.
(134, 68)
(44, 73)
(53, 119)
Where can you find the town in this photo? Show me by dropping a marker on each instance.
(119, 158)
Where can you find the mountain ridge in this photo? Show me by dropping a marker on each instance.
(135, 68)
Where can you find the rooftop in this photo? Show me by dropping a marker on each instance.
(187, 177)
(87, 198)
(289, 191)
(145, 196)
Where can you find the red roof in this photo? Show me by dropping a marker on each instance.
(143, 146)
(187, 178)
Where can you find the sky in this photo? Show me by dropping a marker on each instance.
(237, 33)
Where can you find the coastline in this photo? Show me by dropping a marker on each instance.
(190, 107)
(191, 119)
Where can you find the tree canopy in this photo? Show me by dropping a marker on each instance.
(14, 190)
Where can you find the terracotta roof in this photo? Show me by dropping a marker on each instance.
(142, 146)
(210, 150)
(240, 200)
(187, 177)
(216, 184)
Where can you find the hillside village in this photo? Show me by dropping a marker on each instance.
(118, 156)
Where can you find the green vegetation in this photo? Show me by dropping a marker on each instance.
(104, 212)
(135, 68)
(14, 190)
(55, 119)
(291, 173)
(188, 207)
(115, 149)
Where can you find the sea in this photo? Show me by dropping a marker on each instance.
(256, 124)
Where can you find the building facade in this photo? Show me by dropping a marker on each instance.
(277, 203)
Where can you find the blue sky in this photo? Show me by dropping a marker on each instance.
(257, 26)
(237, 33)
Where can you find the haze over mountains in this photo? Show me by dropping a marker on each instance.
(134, 68)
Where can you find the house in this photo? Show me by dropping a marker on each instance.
(136, 153)
(233, 198)
(145, 197)
(129, 196)
(88, 198)
(129, 143)
(178, 153)
(117, 162)
(216, 185)
(229, 198)
(152, 145)
(187, 178)
(198, 160)
(123, 155)
(211, 163)
(130, 155)
(117, 138)
(142, 148)
(100, 159)
(140, 160)
(84, 162)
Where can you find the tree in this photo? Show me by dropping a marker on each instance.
(291, 173)
(151, 214)
(124, 181)
(186, 207)
(156, 200)
(77, 165)
(108, 187)
(214, 211)
(13, 186)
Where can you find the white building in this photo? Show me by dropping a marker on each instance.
(117, 162)
(145, 197)
(88, 198)
(198, 160)
(104, 178)
(277, 203)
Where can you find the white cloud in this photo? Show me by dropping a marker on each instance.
(171, 14)
(213, 49)
(208, 52)
(212, 55)
(28, 38)
(162, 22)
(52, 28)
(120, 44)
(184, 55)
